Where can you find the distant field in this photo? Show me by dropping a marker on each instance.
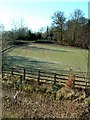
(48, 57)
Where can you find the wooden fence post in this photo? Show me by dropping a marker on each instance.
(12, 70)
(20, 79)
(24, 73)
(54, 78)
(38, 77)
(2, 71)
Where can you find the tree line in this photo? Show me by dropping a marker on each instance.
(72, 32)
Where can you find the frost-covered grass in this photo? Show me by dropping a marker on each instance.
(48, 57)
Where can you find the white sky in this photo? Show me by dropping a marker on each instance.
(36, 14)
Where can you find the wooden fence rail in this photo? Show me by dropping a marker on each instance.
(41, 76)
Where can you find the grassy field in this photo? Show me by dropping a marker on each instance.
(48, 57)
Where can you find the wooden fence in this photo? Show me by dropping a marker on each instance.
(48, 77)
(7, 49)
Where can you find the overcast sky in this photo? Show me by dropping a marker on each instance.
(36, 14)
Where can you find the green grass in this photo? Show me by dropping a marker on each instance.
(48, 57)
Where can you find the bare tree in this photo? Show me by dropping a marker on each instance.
(19, 30)
(76, 17)
(59, 21)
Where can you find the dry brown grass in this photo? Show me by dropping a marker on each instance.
(38, 102)
(32, 104)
